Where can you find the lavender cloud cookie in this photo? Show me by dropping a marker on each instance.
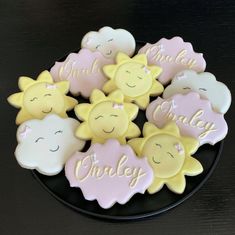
(83, 70)
(173, 55)
(193, 115)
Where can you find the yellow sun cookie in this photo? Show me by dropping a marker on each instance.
(169, 155)
(40, 97)
(107, 117)
(134, 78)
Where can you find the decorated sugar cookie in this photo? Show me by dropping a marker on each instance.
(169, 155)
(134, 78)
(173, 55)
(109, 41)
(83, 70)
(203, 83)
(107, 117)
(193, 115)
(45, 145)
(109, 173)
(41, 97)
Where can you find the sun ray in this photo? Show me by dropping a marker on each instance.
(142, 101)
(192, 166)
(137, 145)
(132, 131)
(157, 88)
(156, 186)
(84, 132)
(117, 96)
(109, 70)
(82, 111)
(109, 86)
(45, 76)
(25, 82)
(191, 144)
(22, 115)
(121, 57)
(141, 58)
(134, 78)
(16, 99)
(168, 153)
(70, 103)
(63, 86)
(177, 184)
(149, 129)
(132, 110)
(97, 96)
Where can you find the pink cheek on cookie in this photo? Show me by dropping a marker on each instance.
(25, 132)
(117, 106)
(179, 148)
(51, 86)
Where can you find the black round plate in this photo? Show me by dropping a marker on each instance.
(140, 206)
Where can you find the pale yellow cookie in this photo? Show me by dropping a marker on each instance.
(134, 78)
(107, 117)
(41, 97)
(169, 155)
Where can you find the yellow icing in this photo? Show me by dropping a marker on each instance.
(41, 97)
(134, 78)
(169, 155)
(107, 117)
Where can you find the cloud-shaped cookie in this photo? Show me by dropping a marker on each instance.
(45, 145)
(203, 83)
(193, 115)
(83, 70)
(173, 55)
(109, 41)
(109, 173)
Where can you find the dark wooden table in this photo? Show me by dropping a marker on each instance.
(33, 34)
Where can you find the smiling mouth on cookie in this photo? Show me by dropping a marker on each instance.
(155, 161)
(47, 111)
(131, 86)
(55, 150)
(108, 132)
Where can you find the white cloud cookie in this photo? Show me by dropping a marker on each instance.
(45, 145)
(203, 83)
(109, 41)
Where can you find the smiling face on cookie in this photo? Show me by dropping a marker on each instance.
(133, 79)
(203, 83)
(108, 120)
(109, 41)
(107, 117)
(165, 154)
(41, 97)
(169, 155)
(46, 144)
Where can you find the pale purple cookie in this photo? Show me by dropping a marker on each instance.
(83, 70)
(173, 55)
(193, 115)
(109, 173)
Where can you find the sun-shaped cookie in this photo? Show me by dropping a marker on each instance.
(134, 78)
(41, 97)
(107, 117)
(169, 155)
